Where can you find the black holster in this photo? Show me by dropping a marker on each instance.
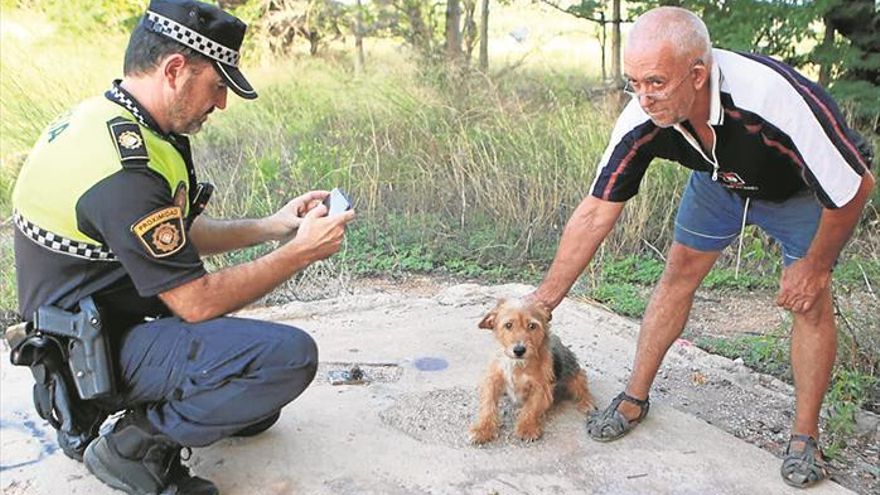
(66, 352)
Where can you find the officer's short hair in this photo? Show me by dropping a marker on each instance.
(146, 49)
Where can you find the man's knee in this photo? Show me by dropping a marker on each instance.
(291, 357)
(819, 319)
(686, 267)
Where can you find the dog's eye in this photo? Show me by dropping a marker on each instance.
(508, 325)
(533, 326)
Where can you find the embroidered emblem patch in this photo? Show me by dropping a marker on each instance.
(161, 232)
(129, 141)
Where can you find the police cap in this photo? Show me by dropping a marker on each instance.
(207, 30)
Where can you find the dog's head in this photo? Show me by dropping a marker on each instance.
(521, 327)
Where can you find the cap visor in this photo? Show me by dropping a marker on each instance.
(235, 80)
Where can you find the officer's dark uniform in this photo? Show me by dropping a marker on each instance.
(102, 208)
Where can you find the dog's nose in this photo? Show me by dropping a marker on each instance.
(519, 350)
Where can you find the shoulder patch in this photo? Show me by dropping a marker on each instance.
(161, 232)
(129, 142)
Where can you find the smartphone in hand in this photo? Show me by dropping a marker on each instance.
(337, 202)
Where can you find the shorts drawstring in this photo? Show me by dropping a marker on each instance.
(742, 231)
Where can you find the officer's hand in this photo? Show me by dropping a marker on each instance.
(321, 235)
(802, 283)
(284, 223)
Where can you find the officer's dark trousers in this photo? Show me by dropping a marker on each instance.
(205, 381)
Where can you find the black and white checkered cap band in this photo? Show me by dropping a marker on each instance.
(128, 104)
(198, 42)
(62, 245)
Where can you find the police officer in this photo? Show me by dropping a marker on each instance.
(107, 206)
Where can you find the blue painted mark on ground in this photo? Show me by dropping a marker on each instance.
(430, 364)
(22, 423)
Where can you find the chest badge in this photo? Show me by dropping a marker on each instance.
(130, 140)
(732, 179)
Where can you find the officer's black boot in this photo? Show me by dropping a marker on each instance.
(137, 459)
(258, 427)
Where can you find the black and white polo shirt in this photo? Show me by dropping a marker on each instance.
(777, 133)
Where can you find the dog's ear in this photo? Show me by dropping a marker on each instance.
(544, 310)
(488, 321)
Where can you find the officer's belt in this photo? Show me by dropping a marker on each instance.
(61, 244)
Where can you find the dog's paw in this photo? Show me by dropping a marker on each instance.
(528, 433)
(481, 434)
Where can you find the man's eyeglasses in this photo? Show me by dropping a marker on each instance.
(661, 90)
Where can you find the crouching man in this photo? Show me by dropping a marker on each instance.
(120, 312)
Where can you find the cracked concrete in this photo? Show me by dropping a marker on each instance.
(405, 432)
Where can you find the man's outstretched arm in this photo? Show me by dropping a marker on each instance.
(586, 229)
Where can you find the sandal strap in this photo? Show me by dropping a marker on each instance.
(810, 443)
(644, 404)
(804, 468)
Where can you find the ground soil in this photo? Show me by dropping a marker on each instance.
(756, 418)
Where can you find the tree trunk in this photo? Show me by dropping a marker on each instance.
(359, 40)
(484, 36)
(603, 43)
(617, 77)
(469, 31)
(827, 43)
(453, 33)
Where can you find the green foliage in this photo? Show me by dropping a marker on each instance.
(726, 278)
(85, 17)
(634, 270)
(857, 271)
(774, 27)
(8, 296)
(622, 298)
(848, 393)
(859, 98)
(765, 353)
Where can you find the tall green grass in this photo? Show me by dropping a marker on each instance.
(475, 176)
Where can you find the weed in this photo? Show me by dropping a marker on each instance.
(847, 394)
(766, 353)
(623, 298)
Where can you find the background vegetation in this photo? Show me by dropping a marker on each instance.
(454, 170)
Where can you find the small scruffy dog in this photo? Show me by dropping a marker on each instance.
(532, 366)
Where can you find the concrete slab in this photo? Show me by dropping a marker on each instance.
(406, 431)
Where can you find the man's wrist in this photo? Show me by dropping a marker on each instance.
(274, 229)
(818, 263)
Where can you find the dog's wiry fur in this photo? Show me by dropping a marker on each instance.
(532, 366)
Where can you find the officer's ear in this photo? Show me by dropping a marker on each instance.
(173, 67)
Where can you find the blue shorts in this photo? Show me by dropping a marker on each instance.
(710, 217)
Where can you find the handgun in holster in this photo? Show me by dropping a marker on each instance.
(87, 351)
(61, 347)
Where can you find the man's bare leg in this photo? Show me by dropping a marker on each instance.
(665, 317)
(813, 349)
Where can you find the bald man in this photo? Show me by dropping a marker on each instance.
(766, 147)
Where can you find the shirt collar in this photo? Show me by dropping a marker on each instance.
(120, 96)
(716, 111)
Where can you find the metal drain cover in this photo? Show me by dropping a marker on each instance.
(337, 373)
